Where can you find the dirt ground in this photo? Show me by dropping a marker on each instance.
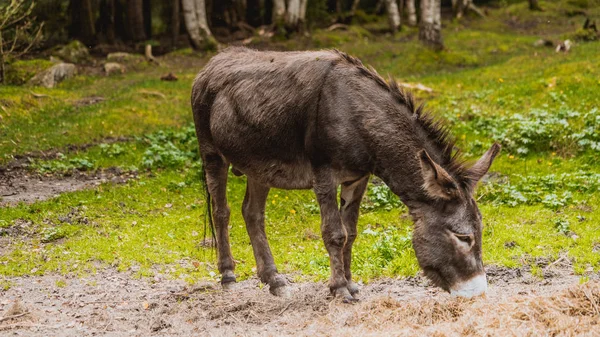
(20, 185)
(112, 303)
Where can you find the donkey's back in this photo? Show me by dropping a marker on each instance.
(258, 110)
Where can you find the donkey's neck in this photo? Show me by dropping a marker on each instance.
(396, 146)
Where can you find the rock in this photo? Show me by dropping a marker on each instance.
(564, 47)
(112, 68)
(543, 43)
(74, 52)
(168, 77)
(124, 57)
(49, 78)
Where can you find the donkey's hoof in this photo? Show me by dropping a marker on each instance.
(281, 291)
(352, 288)
(344, 294)
(227, 280)
(278, 286)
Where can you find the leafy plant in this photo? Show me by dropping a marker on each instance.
(111, 150)
(379, 196)
(543, 130)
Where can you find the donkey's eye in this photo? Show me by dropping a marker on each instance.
(468, 239)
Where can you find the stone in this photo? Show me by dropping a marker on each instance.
(49, 78)
(111, 68)
(74, 52)
(124, 57)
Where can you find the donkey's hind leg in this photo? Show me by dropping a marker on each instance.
(253, 210)
(350, 198)
(216, 181)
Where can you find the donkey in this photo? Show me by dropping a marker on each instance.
(320, 119)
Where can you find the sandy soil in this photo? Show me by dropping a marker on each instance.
(116, 304)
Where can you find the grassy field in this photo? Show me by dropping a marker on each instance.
(541, 201)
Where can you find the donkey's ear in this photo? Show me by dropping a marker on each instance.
(437, 183)
(483, 164)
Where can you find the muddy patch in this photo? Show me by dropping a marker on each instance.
(119, 304)
(24, 186)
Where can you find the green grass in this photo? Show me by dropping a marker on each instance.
(543, 202)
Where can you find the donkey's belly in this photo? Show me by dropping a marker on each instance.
(278, 174)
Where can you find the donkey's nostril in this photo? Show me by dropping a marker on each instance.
(474, 286)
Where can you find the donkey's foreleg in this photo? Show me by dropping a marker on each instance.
(216, 180)
(350, 198)
(333, 232)
(253, 210)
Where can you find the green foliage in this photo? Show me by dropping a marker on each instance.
(542, 130)
(380, 197)
(21, 71)
(562, 226)
(170, 148)
(63, 165)
(585, 35)
(553, 191)
(112, 150)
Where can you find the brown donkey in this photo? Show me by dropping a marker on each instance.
(320, 119)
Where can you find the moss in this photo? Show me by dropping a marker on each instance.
(21, 71)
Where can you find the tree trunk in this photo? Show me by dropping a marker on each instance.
(135, 20)
(393, 15)
(339, 8)
(147, 16)
(175, 23)
(82, 21)
(278, 12)
(411, 11)
(253, 16)
(196, 24)
(354, 7)
(107, 20)
(302, 17)
(534, 5)
(430, 29)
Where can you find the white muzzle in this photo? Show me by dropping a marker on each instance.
(475, 286)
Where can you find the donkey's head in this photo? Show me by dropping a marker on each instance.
(447, 235)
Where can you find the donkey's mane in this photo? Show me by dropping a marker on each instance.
(436, 128)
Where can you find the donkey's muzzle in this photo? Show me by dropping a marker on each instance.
(475, 286)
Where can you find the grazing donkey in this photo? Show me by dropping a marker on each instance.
(320, 119)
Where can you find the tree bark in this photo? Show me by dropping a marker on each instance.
(430, 29)
(293, 17)
(534, 5)
(175, 23)
(147, 16)
(195, 18)
(393, 15)
(107, 20)
(411, 11)
(354, 7)
(278, 12)
(135, 20)
(82, 21)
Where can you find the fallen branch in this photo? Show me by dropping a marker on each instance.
(36, 95)
(13, 316)
(152, 93)
(417, 86)
(337, 26)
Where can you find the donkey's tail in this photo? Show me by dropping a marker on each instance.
(208, 219)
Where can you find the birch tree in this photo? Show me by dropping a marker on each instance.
(393, 14)
(196, 24)
(289, 13)
(430, 28)
(411, 11)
